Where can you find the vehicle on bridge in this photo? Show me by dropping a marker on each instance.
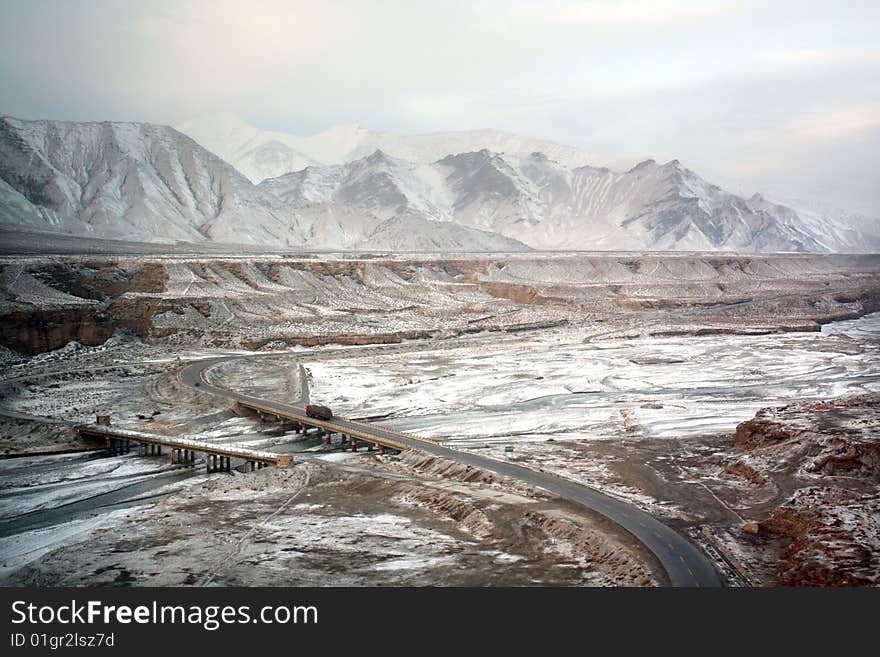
(319, 412)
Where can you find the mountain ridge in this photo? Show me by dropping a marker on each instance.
(241, 144)
(145, 182)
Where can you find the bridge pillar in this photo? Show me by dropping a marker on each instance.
(354, 445)
(328, 438)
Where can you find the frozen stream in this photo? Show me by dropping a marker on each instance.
(559, 386)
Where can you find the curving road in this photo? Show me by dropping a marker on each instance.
(684, 563)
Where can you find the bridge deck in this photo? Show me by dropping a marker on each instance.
(369, 433)
(232, 451)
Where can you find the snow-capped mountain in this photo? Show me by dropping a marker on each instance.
(539, 202)
(143, 182)
(838, 229)
(150, 183)
(125, 181)
(262, 154)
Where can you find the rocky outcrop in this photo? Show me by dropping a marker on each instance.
(745, 472)
(761, 431)
(840, 437)
(55, 302)
(827, 532)
(833, 538)
(33, 332)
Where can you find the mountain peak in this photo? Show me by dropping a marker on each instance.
(650, 162)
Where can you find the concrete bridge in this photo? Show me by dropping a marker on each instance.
(350, 432)
(218, 458)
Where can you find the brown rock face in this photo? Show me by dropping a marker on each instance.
(760, 431)
(841, 437)
(86, 314)
(745, 471)
(834, 538)
(847, 458)
(828, 532)
(44, 330)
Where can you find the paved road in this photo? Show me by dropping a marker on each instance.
(684, 563)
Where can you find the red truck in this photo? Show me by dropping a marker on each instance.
(319, 412)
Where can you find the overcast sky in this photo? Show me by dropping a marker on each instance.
(781, 97)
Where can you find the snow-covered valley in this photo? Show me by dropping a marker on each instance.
(628, 373)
